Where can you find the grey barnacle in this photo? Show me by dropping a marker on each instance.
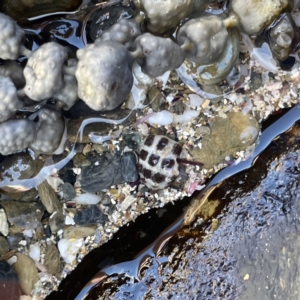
(158, 165)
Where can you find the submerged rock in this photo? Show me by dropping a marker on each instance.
(108, 170)
(9, 287)
(26, 271)
(52, 260)
(229, 135)
(90, 216)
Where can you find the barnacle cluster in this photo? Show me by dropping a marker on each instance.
(163, 36)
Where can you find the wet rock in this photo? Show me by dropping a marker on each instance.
(13, 240)
(68, 249)
(288, 63)
(68, 191)
(132, 141)
(156, 98)
(80, 160)
(52, 260)
(90, 216)
(20, 9)
(22, 214)
(29, 196)
(100, 128)
(3, 222)
(18, 166)
(79, 232)
(108, 170)
(26, 271)
(9, 287)
(228, 136)
(256, 81)
(4, 246)
(49, 197)
(56, 222)
(215, 94)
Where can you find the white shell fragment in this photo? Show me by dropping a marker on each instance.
(3, 222)
(68, 249)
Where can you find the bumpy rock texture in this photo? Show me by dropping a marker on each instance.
(203, 39)
(162, 15)
(11, 37)
(255, 15)
(104, 75)
(125, 31)
(9, 101)
(16, 135)
(50, 129)
(157, 163)
(157, 55)
(43, 71)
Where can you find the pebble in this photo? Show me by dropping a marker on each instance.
(80, 160)
(243, 131)
(22, 214)
(26, 271)
(52, 260)
(90, 216)
(79, 232)
(3, 222)
(4, 246)
(68, 191)
(108, 171)
(56, 222)
(68, 249)
(49, 197)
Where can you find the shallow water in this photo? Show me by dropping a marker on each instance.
(255, 212)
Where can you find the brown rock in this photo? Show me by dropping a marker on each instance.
(26, 271)
(52, 260)
(79, 232)
(49, 198)
(229, 135)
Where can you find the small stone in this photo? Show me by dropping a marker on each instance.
(229, 135)
(3, 222)
(132, 141)
(68, 249)
(22, 214)
(156, 98)
(79, 232)
(26, 271)
(90, 216)
(256, 81)
(4, 246)
(246, 277)
(52, 260)
(49, 197)
(80, 160)
(107, 171)
(68, 191)
(56, 222)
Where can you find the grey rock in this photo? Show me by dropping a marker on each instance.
(56, 222)
(228, 136)
(100, 128)
(73, 232)
(52, 260)
(49, 197)
(22, 214)
(68, 191)
(14, 239)
(108, 171)
(26, 271)
(132, 141)
(155, 97)
(90, 216)
(4, 246)
(255, 82)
